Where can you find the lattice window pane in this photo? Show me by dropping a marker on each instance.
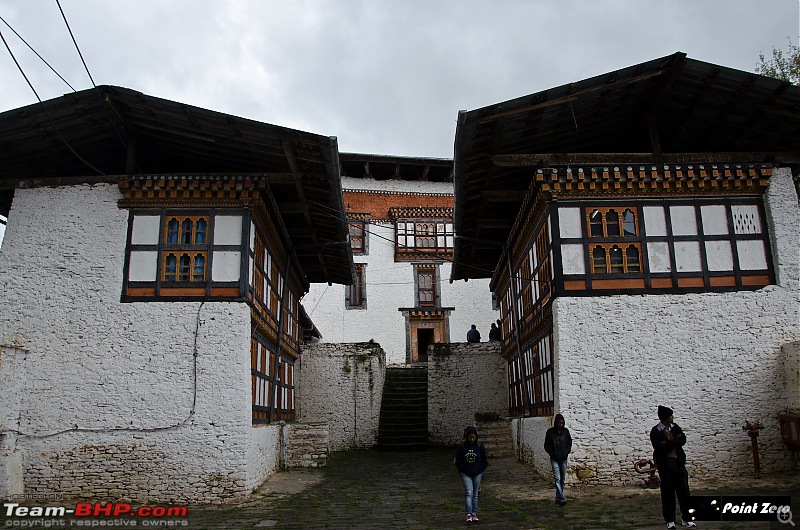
(612, 223)
(599, 265)
(628, 223)
(633, 260)
(184, 268)
(200, 232)
(172, 232)
(186, 232)
(199, 270)
(170, 267)
(596, 224)
(615, 260)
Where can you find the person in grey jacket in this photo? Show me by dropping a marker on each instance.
(558, 444)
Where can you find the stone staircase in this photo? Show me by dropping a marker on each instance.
(403, 422)
(306, 444)
(496, 434)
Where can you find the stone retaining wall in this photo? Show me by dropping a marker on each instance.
(341, 385)
(463, 379)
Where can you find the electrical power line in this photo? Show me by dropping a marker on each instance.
(86, 67)
(37, 54)
(75, 43)
(49, 117)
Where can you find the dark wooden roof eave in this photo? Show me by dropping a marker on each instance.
(668, 105)
(97, 135)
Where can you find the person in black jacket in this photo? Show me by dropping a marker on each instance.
(471, 462)
(558, 444)
(668, 441)
(494, 332)
(473, 335)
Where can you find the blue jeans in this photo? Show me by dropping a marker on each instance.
(559, 474)
(471, 487)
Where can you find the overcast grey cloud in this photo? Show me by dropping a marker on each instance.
(384, 76)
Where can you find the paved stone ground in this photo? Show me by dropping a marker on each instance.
(370, 489)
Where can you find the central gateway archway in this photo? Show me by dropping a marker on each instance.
(424, 327)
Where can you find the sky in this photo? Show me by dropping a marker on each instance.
(383, 76)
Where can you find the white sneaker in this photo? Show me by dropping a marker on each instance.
(671, 525)
(689, 523)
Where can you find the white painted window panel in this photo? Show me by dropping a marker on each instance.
(719, 255)
(572, 259)
(228, 230)
(569, 221)
(715, 220)
(683, 221)
(752, 255)
(746, 219)
(658, 257)
(654, 220)
(143, 266)
(687, 256)
(226, 266)
(145, 229)
(252, 236)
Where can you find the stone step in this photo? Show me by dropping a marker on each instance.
(403, 423)
(497, 436)
(307, 444)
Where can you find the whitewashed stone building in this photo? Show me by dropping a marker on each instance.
(150, 279)
(400, 213)
(649, 255)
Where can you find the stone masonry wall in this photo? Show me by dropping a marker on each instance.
(342, 385)
(105, 410)
(717, 359)
(463, 379)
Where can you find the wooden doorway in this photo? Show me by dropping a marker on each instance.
(423, 328)
(424, 338)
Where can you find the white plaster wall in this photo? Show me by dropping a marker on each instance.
(390, 286)
(406, 186)
(528, 436)
(263, 454)
(342, 385)
(106, 410)
(790, 356)
(463, 379)
(12, 372)
(473, 305)
(715, 358)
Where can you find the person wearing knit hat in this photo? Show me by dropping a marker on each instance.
(668, 440)
(471, 462)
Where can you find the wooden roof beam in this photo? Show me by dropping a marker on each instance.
(292, 160)
(577, 159)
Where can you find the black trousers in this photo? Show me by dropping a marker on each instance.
(674, 482)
